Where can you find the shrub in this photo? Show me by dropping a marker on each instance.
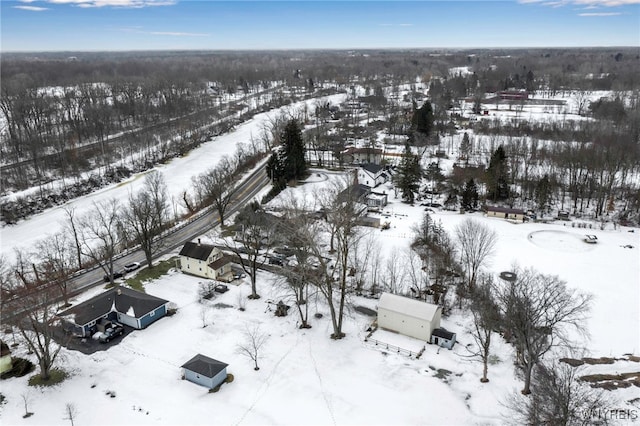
(229, 378)
(55, 376)
(21, 367)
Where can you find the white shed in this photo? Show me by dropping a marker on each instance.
(408, 316)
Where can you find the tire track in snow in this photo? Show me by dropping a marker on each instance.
(267, 383)
(324, 394)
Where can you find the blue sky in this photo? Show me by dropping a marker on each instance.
(116, 25)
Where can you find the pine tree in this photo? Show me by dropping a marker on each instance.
(409, 175)
(470, 195)
(496, 176)
(465, 147)
(295, 164)
(543, 192)
(423, 119)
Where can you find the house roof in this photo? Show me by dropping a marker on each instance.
(407, 306)
(204, 365)
(357, 192)
(372, 168)
(217, 264)
(504, 210)
(120, 299)
(196, 250)
(441, 332)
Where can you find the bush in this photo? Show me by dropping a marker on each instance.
(55, 376)
(21, 367)
(229, 378)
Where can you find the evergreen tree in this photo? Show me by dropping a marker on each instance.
(422, 121)
(276, 169)
(409, 175)
(497, 175)
(543, 192)
(295, 164)
(465, 147)
(470, 195)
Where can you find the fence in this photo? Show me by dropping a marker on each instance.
(397, 349)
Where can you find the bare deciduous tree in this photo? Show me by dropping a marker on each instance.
(217, 186)
(254, 340)
(477, 244)
(559, 398)
(146, 213)
(103, 235)
(538, 311)
(486, 319)
(56, 258)
(71, 412)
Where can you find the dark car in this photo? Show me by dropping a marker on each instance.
(276, 261)
(116, 275)
(108, 335)
(221, 288)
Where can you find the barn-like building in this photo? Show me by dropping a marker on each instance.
(407, 316)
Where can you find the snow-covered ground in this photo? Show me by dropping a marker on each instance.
(307, 378)
(177, 174)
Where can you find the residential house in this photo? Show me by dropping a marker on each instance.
(205, 260)
(205, 371)
(5, 358)
(122, 304)
(506, 213)
(407, 316)
(371, 201)
(353, 155)
(372, 175)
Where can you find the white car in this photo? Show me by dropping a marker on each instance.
(131, 266)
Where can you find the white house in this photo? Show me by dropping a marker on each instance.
(204, 260)
(408, 316)
(372, 175)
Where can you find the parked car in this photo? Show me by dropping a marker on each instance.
(276, 261)
(108, 335)
(131, 266)
(221, 288)
(116, 275)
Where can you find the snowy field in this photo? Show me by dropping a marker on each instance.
(307, 378)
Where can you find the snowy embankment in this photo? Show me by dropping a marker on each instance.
(177, 173)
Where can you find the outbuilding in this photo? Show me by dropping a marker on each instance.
(444, 338)
(205, 371)
(408, 316)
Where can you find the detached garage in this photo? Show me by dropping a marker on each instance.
(407, 316)
(205, 371)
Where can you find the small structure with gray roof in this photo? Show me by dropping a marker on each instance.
(122, 304)
(205, 371)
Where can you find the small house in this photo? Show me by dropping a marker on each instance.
(516, 215)
(205, 371)
(204, 260)
(5, 358)
(362, 155)
(372, 175)
(407, 316)
(444, 338)
(122, 304)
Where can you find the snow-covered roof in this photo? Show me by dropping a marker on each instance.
(407, 306)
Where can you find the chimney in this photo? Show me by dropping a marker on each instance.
(118, 292)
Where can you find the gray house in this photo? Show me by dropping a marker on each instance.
(205, 371)
(122, 304)
(444, 338)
